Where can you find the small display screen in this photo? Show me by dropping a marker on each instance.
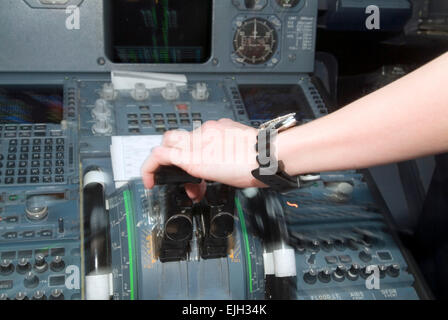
(160, 31)
(31, 104)
(266, 102)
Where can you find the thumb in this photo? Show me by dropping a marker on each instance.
(196, 191)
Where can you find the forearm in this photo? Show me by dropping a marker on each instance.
(407, 119)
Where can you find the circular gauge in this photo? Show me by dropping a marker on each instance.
(288, 3)
(255, 41)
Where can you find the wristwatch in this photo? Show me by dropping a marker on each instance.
(271, 171)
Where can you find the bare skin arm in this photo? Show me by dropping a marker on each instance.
(404, 120)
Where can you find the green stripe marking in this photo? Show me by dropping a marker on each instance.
(246, 241)
(129, 225)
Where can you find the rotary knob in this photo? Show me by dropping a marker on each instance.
(383, 270)
(339, 244)
(325, 276)
(393, 270)
(170, 92)
(313, 245)
(21, 296)
(102, 110)
(327, 245)
(353, 272)
(57, 294)
(23, 266)
(310, 277)
(40, 264)
(108, 92)
(39, 295)
(200, 92)
(339, 273)
(139, 93)
(6, 267)
(57, 265)
(102, 127)
(36, 212)
(31, 281)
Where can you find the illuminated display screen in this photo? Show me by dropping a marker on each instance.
(27, 104)
(160, 31)
(266, 102)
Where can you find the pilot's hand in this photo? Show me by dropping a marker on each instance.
(220, 151)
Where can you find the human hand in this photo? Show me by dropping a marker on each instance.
(221, 151)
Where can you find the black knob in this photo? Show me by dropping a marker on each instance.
(365, 256)
(310, 277)
(23, 266)
(393, 270)
(39, 295)
(313, 245)
(327, 245)
(57, 265)
(383, 270)
(31, 281)
(21, 296)
(57, 294)
(351, 244)
(325, 276)
(353, 272)
(40, 265)
(6, 267)
(339, 244)
(366, 272)
(339, 273)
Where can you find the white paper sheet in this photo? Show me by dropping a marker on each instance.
(129, 153)
(126, 80)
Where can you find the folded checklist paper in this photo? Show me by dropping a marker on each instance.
(128, 154)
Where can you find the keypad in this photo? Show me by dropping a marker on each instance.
(161, 122)
(32, 159)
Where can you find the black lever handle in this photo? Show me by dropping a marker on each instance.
(173, 175)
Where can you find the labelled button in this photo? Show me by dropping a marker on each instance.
(12, 219)
(27, 254)
(10, 235)
(40, 127)
(345, 259)
(384, 255)
(28, 234)
(6, 284)
(46, 233)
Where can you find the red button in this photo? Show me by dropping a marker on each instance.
(182, 107)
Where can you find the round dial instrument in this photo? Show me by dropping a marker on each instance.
(288, 3)
(255, 41)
